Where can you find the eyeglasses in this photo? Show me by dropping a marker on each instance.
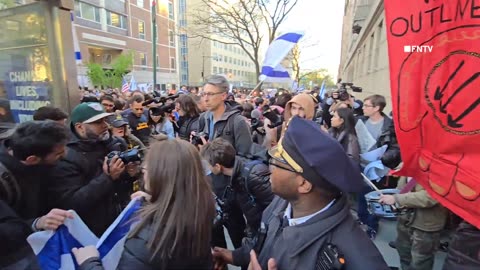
(271, 162)
(210, 94)
(368, 106)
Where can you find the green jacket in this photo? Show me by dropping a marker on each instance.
(426, 213)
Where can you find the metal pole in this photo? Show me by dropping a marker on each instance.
(154, 43)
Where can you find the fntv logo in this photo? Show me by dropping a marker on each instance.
(419, 49)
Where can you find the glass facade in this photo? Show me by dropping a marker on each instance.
(29, 76)
(183, 46)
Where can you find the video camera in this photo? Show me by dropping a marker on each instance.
(128, 156)
(160, 99)
(343, 94)
(166, 108)
(273, 115)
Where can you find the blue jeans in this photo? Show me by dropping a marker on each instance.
(365, 217)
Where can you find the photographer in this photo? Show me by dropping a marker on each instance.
(223, 118)
(189, 114)
(85, 180)
(248, 188)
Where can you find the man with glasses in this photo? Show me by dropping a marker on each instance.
(381, 128)
(223, 118)
(309, 222)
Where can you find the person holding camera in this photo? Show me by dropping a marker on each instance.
(174, 224)
(248, 187)
(223, 118)
(85, 180)
(26, 159)
(308, 225)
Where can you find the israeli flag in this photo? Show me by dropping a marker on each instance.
(272, 69)
(322, 90)
(53, 248)
(133, 84)
(76, 45)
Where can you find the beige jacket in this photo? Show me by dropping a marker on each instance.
(428, 214)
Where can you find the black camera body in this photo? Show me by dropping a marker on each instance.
(257, 124)
(196, 139)
(343, 95)
(132, 155)
(273, 116)
(354, 88)
(166, 108)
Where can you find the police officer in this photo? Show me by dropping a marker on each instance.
(309, 223)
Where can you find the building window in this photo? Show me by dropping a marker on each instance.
(141, 29)
(184, 77)
(116, 20)
(107, 59)
(215, 69)
(143, 59)
(220, 70)
(140, 3)
(170, 11)
(172, 62)
(171, 38)
(87, 12)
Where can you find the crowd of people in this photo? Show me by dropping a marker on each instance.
(282, 174)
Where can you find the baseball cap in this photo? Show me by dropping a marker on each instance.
(118, 122)
(88, 112)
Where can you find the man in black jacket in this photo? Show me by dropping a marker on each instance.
(248, 188)
(26, 160)
(85, 180)
(309, 224)
(382, 131)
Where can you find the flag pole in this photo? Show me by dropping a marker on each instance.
(154, 44)
(258, 85)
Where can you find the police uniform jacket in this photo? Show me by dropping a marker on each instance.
(297, 247)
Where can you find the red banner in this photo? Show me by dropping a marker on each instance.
(434, 52)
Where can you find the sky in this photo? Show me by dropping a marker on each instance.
(322, 22)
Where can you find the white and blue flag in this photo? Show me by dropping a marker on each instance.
(53, 248)
(76, 45)
(133, 84)
(272, 69)
(321, 94)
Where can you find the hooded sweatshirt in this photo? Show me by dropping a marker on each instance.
(303, 100)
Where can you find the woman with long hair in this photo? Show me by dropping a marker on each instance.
(160, 123)
(174, 226)
(343, 129)
(189, 114)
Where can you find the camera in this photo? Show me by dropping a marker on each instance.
(273, 116)
(160, 99)
(343, 95)
(128, 156)
(220, 215)
(257, 124)
(166, 108)
(345, 86)
(196, 139)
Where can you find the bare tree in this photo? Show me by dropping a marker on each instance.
(239, 23)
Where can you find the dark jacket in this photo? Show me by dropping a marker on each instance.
(139, 127)
(258, 184)
(392, 157)
(15, 252)
(349, 143)
(186, 126)
(79, 183)
(231, 127)
(297, 247)
(136, 255)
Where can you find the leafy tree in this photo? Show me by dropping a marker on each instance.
(317, 77)
(112, 77)
(6, 4)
